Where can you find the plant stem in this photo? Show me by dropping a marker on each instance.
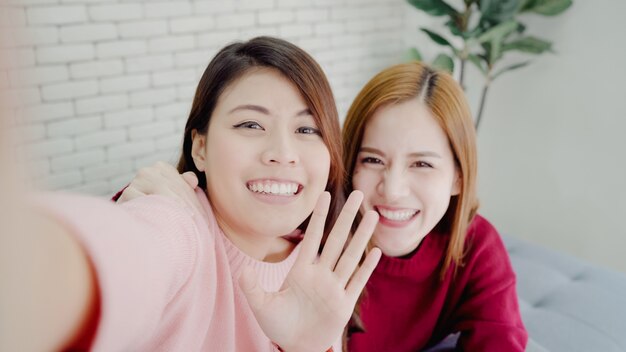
(463, 58)
(462, 76)
(483, 98)
(464, 53)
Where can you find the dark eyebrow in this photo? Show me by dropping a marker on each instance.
(413, 155)
(305, 112)
(265, 111)
(371, 150)
(256, 108)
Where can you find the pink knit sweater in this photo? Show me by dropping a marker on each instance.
(167, 275)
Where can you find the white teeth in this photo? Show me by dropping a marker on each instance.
(398, 215)
(275, 188)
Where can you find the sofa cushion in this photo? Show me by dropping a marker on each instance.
(568, 304)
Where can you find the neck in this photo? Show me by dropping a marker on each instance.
(258, 246)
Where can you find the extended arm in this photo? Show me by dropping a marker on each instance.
(48, 289)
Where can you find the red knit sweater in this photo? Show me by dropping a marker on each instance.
(408, 308)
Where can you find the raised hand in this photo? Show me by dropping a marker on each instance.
(163, 179)
(317, 299)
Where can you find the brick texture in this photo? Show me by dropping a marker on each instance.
(106, 85)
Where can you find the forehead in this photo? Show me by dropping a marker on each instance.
(262, 86)
(406, 126)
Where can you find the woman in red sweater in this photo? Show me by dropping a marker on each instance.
(410, 147)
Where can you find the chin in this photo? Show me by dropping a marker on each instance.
(394, 249)
(279, 229)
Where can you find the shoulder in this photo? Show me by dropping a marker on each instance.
(481, 233)
(484, 243)
(173, 215)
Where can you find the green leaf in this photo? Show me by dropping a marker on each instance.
(438, 39)
(495, 52)
(547, 7)
(434, 7)
(528, 44)
(493, 39)
(443, 62)
(499, 10)
(499, 32)
(454, 28)
(412, 55)
(525, 5)
(478, 62)
(510, 68)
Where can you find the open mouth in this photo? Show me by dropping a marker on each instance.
(397, 215)
(285, 189)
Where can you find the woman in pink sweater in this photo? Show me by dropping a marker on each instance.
(410, 147)
(224, 271)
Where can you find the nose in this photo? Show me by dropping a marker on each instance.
(393, 184)
(280, 150)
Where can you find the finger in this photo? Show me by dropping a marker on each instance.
(165, 168)
(130, 193)
(314, 231)
(169, 173)
(184, 184)
(350, 258)
(339, 234)
(251, 289)
(163, 179)
(191, 179)
(189, 188)
(358, 281)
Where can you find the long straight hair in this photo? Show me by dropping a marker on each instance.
(446, 100)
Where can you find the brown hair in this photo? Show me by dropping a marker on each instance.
(232, 62)
(447, 102)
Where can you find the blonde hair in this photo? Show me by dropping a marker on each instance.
(447, 103)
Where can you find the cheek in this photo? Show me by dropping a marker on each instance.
(317, 160)
(436, 192)
(364, 181)
(226, 159)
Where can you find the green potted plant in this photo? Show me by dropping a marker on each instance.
(487, 30)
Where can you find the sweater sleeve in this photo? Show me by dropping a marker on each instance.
(142, 252)
(488, 316)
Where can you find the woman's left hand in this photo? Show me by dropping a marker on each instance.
(163, 179)
(311, 310)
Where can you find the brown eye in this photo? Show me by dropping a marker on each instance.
(249, 124)
(422, 164)
(371, 160)
(309, 130)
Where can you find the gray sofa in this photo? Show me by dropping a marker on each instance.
(567, 304)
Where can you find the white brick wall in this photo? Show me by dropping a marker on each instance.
(106, 85)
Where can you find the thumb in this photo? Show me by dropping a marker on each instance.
(191, 179)
(254, 293)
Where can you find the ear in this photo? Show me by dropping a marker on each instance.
(198, 149)
(456, 185)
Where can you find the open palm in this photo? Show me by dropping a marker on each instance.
(318, 296)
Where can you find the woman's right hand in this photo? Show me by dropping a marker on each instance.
(318, 296)
(163, 179)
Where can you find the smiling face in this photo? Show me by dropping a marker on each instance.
(264, 159)
(407, 172)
